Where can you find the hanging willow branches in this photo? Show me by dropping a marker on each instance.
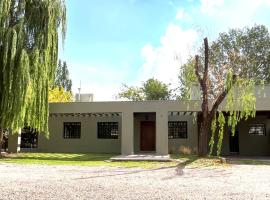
(222, 83)
(28, 57)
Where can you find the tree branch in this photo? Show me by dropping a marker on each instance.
(206, 60)
(221, 97)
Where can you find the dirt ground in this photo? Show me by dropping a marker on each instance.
(74, 182)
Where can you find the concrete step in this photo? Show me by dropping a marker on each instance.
(142, 157)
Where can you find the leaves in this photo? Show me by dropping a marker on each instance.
(28, 56)
(60, 95)
(62, 77)
(152, 89)
(238, 60)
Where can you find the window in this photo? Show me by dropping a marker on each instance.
(177, 129)
(29, 137)
(107, 130)
(257, 129)
(72, 130)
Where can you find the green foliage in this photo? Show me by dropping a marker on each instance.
(240, 105)
(246, 50)
(131, 93)
(58, 94)
(28, 56)
(152, 89)
(62, 79)
(155, 90)
(187, 78)
(238, 60)
(221, 123)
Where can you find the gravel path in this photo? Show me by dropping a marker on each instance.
(72, 182)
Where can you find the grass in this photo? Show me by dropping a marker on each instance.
(181, 161)
(249, 162)
(193, 161)
(90, 159)
(78, 160)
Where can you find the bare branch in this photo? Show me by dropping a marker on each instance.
(206, 60)
(221, 97)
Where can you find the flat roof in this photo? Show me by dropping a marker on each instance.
(139, 106)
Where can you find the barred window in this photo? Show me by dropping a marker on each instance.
(107, 130)
(29, 137)
(177, 129)
(72, 130)
(257, 129)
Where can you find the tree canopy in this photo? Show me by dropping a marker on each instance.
(229, 67)
(152, 89)
(58, 94)
(62, 79)
(28, 58)
(246, 51)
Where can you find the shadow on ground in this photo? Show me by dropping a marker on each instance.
(58, 157)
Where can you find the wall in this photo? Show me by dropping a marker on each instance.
(88, 141)
(190, 144)
(250, 145)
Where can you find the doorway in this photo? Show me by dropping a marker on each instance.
(148, 136)
(234, 142)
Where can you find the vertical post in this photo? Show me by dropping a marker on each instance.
(80, 92)
(162, 132)
(127, 134)
(14, 142)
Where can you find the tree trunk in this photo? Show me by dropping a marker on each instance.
(1, 139)
(203, 137)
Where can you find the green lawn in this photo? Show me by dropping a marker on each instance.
(90, 159)
(78, 160)
(181, 161)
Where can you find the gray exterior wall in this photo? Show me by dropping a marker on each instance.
(190, 144)
(250, 145)
(128, 141)
(88, 142)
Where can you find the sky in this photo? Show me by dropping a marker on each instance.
(114, 42)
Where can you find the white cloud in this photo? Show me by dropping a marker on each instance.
(180, 14)
(235, 14)
(103, 81)
(102, 91)
(160, 62)
(211, 7)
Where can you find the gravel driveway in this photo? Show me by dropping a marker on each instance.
(70, 182)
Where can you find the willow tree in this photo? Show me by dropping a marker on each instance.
(217, 82)
(29, 35)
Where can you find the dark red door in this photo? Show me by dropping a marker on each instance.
(148, 136)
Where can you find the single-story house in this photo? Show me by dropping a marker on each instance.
(160, 127)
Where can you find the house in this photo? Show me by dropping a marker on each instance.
(161, 127)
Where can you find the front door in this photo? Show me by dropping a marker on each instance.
(148, 136)
(234, 142)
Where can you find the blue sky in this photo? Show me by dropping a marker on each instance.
(111, 42)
